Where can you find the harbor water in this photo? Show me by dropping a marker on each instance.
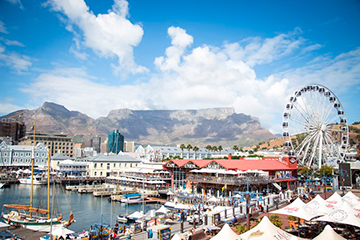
(86, 208)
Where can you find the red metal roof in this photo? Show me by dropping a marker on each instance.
(243, 165)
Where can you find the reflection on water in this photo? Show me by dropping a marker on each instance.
(86, 208)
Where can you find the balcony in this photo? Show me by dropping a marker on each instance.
(229, 180)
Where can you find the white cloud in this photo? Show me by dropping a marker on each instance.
(13, 43)
(2, 28)
(16, 2)
(6, 107)
(203, 77)
(18, 62)
(108, 35)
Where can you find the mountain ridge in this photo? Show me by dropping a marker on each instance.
(163, 127)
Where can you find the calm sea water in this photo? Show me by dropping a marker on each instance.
(86, 208)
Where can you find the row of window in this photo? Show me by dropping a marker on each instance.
(26, 154)
(24, 160)
(114, 165)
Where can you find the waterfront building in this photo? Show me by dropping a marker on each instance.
(145, 175)
(95, 143)
(69, 167)
(19, 156)
(104, 165)
(211, 176)
(57, 159)
(57, 143)
(115, 142)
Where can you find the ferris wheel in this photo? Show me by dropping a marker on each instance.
(315, 128)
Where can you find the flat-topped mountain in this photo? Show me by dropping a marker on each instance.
(221, 126)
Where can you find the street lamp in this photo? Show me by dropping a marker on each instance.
(249, 195)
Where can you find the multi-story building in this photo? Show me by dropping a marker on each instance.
(95, 143)
(129, 146)
(57, 143)
(12, 128)
(19, 156)
(115, 142)
(110, 165)
(104, 146)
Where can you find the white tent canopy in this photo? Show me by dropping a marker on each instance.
(226, 233)
(296, 209)
(343, 215)
(163, 210)
(265, 230)
(334, 201)
(318, 206)
(328, 234)
(351, 199)
(176, 237)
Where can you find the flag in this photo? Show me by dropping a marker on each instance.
(223, 188)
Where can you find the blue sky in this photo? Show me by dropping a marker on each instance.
(95, 56)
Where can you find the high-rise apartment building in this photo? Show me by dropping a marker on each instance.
(115, 142)
(95, 143)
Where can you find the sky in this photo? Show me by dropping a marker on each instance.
(96, 56)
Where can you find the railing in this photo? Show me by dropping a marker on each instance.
(230, 180)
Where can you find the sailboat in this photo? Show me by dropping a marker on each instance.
(32, 217)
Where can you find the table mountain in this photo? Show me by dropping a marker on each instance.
(220, 126)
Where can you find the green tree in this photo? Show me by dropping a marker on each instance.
(235, 148)
(208, 147)
(182, 147)
(195, 150)
(189, 147)
(214, 148)
(276, 220)
(220, 148)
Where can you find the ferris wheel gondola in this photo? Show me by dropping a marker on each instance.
(315, 127)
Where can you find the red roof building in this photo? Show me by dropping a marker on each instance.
(233, 174)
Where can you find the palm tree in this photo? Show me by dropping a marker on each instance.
(208, 147)
(235, 148)
(214, 148)
(220, 148)
(189, 147)
(195, 148)
(182, 147)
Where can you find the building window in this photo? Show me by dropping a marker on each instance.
(95, 173)
(95, 165)
(100, 173)
(114, 164)
(101, 165)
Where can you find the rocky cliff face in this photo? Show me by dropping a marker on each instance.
(215, 126)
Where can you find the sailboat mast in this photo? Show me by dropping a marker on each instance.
(32, 173)
(48, 183)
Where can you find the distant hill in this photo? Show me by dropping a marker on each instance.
(214, 126)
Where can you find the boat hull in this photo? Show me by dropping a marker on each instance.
(35, 181)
